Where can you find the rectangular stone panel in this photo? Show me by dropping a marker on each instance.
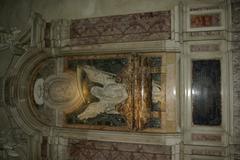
(204, 35)
(236, 92)
(210, 152)
(205, 47)
(205, 20)
(206, 92)
(206, 137)
(149, 26)
(95, 150)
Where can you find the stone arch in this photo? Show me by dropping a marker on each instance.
(16, 92)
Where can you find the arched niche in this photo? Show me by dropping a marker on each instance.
(74, 95)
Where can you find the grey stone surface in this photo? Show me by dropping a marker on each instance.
(235, 149)
(236, 36)
(235, 15)
(75, 9)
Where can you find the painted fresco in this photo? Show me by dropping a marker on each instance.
(205, 20)
(206, 89)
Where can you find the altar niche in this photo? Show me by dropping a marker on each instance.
(113, 92)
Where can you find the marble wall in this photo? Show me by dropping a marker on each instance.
(235, 150)
(56, 28)
(95, 150)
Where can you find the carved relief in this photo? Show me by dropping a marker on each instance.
(109, 95)
(100, 92)
(104, 91)
(60, 91)
(10, 40)
(14, 142)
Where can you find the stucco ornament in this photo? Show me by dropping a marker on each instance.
(12, 148)
(38, 91)
(60, 91)
(9, 40)
(158, 93)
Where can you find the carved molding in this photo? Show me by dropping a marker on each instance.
(60, 91)
(16, 82)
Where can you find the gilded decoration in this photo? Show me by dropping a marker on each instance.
(113, 92)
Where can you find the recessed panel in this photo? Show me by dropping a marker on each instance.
(103, 89)
(107, 92)
(206, 92)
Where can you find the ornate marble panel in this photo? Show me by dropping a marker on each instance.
(207, 20)
(60, 91)
(93, 150)
(204, 18)
(206, 137)
(106, 92)
(123, 28)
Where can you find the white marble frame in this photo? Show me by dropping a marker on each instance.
(188, 14)
(189, 128)
(221, 44)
